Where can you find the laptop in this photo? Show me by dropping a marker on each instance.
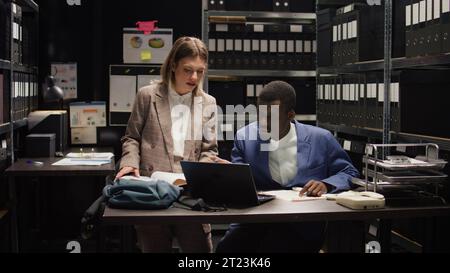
(231, 185)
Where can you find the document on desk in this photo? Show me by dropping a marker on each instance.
(292, 196)
(85, 159)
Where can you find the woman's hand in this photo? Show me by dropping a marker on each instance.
(128, 170)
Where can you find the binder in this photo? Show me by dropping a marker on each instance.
(361, 121)
(445, 26)
(325, 37)
(338, 102)
(229, 48)
(247, 48)
(422, 29)
(395, 104)
(222, 35)
(409, 30)
(212, 48)
(238, 32)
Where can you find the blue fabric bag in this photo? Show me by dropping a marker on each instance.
(141, 195)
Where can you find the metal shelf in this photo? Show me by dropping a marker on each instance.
(6, 127)
(25, 69)
(4, 64)
(28, 3)
(261, 73)
(397, 63)
(443, 143)
(265, 15)
(367, 132)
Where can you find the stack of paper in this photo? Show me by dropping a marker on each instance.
(85, 159)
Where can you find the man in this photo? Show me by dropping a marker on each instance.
(298, 156)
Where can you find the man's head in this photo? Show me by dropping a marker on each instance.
(278, 94)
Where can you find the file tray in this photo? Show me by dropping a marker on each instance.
(419, 163)
(409, 177)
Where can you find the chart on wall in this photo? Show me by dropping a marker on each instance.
(65, 75)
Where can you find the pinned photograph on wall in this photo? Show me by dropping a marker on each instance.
(146, 43)
(65, 75)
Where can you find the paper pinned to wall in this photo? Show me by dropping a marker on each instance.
(65, 75)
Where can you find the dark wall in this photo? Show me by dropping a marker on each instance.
(91, 34)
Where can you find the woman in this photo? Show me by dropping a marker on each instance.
(167, 119)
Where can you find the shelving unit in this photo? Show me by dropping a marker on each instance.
(385, 134)
(251, 80)
(19, 68)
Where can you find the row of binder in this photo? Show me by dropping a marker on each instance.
(417, 98)
(262, 47)
(23, 32)
(245, 93)
(427, 27)
(357, 34)
(25, 95)
(355, 100)
(263, 5)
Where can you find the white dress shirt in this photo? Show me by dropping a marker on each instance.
(180, 108)
(283, 161)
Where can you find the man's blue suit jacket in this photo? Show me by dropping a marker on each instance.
(320, 157)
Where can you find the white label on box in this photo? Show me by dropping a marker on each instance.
(264, 46)
(297, 28)
(352, 92)
(422, 14)
(282, 46)
(429, 10)
(437, 9)
(290, 46)
(408, 15)
(212, 45)
(415, 13)
(299, 46)
(445, 6)
(381, 93)
(273, 46)
(397, 92)
(369, 150)
(347, 145)
(255, 45)
(238, 45)
(4, 144)
(314, 45)
(361, 91)
(333, 92)
(247, 45)
(335, 36)
(250, 90)
(222, 28)
(338, 92)
(401, 149)
(355, 29)
(259, 89)
(258, 28)
(339, 32)
(230, 45)
(221, 45)
(308, 46)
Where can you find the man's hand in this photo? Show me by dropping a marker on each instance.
(219, 160)
(128, 170)
(314, 189)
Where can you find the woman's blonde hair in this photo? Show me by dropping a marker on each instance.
(183, 47)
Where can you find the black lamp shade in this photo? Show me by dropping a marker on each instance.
(53, 92)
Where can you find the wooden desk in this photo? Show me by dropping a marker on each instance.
(23, 168)
(277, 211)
